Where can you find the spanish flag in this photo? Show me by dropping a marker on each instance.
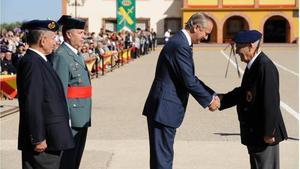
(8, 86)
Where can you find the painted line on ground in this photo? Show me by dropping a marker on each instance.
(286, 69)
(282, 104)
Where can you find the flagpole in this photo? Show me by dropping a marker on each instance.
(75, 8)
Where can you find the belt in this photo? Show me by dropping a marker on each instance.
(79, 92)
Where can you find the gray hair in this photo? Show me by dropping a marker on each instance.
(257, 43)
(34, 36)
(198, 18)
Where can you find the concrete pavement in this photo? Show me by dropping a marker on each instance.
(118, 138)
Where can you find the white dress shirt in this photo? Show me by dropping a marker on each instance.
(187, 36)
(252, 60)
(71, 47)
(39, 53)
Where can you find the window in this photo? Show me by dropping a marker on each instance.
(110, 24)
(143, 23)
(173, 23)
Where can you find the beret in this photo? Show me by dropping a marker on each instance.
(40, 25)
(4, 49)
(247, 36)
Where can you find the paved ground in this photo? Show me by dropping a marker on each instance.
(118, 138)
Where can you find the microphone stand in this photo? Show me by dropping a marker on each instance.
(232, 53)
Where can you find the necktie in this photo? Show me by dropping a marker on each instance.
(50, 63)
(246, 71)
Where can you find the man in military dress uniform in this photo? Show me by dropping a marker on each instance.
(44, 129)
(258, 103)
(69, 65)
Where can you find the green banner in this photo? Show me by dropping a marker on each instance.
(126, 15)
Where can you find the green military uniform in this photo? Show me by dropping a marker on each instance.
(73, 73)
(70, 67)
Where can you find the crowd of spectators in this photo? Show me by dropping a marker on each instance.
(13, 45)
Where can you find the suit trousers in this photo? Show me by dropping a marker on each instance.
(71, 158)
(266, 157)
(44, 160)
(161, 140)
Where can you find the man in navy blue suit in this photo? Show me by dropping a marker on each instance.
(44, 130)
(174, 80)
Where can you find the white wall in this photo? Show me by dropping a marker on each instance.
(94, 10)
(156, 10)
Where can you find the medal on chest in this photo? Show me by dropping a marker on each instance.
(249, 96)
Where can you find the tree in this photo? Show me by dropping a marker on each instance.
(10, 26)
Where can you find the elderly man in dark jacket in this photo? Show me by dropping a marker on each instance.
(258, 103)
(44, 130)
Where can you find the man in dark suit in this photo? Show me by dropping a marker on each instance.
(174, 80)
(7, 66)
(19, 54)
(44, 129)
(70, 67)
(258, 103)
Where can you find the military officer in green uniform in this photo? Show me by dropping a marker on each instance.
(69, 65)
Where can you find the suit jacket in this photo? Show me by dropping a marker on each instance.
(73, 72)
(43, 107)
(15, 59)
(7, 65)
(173, 82)
(258, 103)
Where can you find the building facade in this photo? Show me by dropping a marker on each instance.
(157, 14)
(276, 19)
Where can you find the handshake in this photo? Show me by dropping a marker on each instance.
(216, 103)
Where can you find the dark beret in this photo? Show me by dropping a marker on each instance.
(4, 49)
(40, 25)
(247, 36)
(62, 19)
(71, 23)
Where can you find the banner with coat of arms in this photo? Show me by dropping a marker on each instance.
(126, 15)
